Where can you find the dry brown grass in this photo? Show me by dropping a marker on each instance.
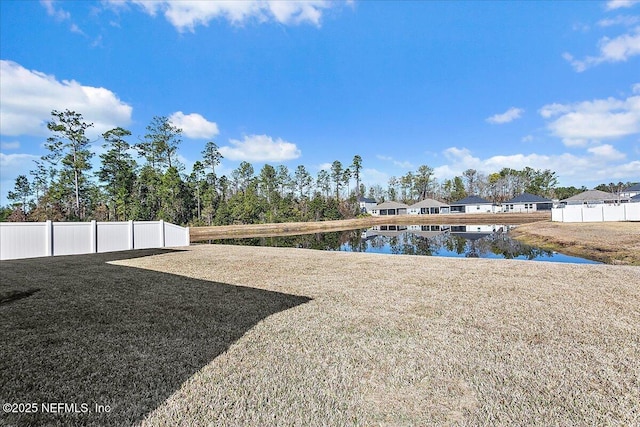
(402, 340)
(610, 242)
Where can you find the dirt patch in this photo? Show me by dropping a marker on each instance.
(609, 242)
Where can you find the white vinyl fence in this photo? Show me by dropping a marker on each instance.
(38, 239)
(597, 213)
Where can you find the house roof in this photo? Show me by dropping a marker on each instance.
(472, 200)
(592, 196)
(366, 200)
(635, 187)
(392, 205)
(429, 203)
(528, 198)
(636, 198)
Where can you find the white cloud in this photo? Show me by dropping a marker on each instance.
(588, 121)
(508, 116)
(401, 164)
(624, 20)
(11, 164)
(372, 177)
(324, 167)
(606, 151)
(598, 164)
(75, 29)
(636, 88)
(260, 148)
(58, 14)
(186, 15)
(527, 138)
(619, 49)
(617, 4)
(194, 125)
(28, 97)
(13, 145)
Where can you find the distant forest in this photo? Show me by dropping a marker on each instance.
(64, 186)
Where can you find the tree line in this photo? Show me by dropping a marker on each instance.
(63, 186)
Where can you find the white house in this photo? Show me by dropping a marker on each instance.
(476, 231)
(527, 202)
(390, 208)
(366, 204)
(428, 207)
(630, 192)
(473, 204)
(390, 230)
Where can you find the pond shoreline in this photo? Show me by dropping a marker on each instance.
(608, 242)
(199, 234)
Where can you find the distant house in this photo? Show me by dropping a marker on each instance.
(635, 199)
(390, 208)
(366, 204)
(630, 192)
(428, 207)
(472, 204)
(474, 232)
(527, 202)
(592, 197)
(389, 230)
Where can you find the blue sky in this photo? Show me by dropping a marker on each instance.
(453, 85)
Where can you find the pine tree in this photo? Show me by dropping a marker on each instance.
(117, 171)
(70, 145)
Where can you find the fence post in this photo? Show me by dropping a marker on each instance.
(94, 237)
(188, 236)
(131, 241)
(162, 233)
(48, 240)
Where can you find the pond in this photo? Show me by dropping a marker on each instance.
(463, 241)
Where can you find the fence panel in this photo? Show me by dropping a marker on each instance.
(146, 234)
(73, 238)
(114, 236)
(632, 211)
(175, 235)
(597, 213)
(24, 240)
(37, 239)
(557, 214)
(592, 213)
(613, 213)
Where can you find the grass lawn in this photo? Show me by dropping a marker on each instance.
(97, 333)
(223, 335)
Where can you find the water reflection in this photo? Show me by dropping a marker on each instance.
(471, 241)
